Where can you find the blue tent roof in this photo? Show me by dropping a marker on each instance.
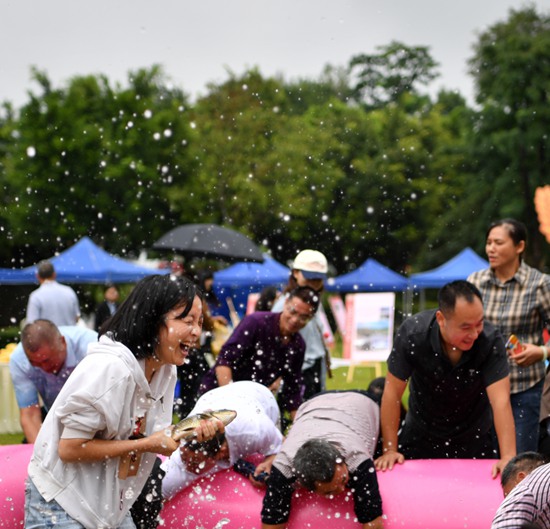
(8, 276)
(459, 267)
(242, 279)
(371, 276)
(252, 275)
(84, 262)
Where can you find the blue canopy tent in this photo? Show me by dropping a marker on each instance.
(242, 279)
(459, 267)
(9, 276)
(371, 276)
(83, 263)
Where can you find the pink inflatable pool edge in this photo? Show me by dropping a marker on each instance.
(423, 494)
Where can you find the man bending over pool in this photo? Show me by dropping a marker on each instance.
(329, 451)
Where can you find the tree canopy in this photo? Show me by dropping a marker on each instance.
(357, 163)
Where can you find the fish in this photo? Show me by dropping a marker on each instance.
(185, 429)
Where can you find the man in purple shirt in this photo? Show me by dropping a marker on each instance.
(267, 348)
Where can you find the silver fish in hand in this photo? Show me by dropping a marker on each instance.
(185, 429)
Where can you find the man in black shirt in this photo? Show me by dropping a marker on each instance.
(459, 385)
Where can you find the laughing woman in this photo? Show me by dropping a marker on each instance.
(517, 301)
(99, 441)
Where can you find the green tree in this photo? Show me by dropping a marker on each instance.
(511, 68)
(98, 160)
(397, 69)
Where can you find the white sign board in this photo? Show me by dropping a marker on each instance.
(369, 326)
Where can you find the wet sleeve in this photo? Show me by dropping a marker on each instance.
(398, 365)
(366, 494)
(496, 367)
(276, 505)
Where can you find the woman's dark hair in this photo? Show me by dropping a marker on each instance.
(515, 228)
(138, 320)
(315, 461)
(267, 297)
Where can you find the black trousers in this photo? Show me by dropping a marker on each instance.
(147, 507)
(312, 379)
(415, 443)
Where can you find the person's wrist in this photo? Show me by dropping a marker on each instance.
(544, 350)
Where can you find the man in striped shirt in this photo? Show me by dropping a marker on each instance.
(529, 502)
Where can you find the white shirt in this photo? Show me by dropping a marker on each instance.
(255, 430)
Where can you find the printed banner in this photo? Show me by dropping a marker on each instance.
(369, 326)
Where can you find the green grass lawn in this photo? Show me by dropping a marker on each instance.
(362, 377)
(10, 438)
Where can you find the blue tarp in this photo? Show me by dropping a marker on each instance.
(371, 276)
(256, 275)
(84, 262)
(242, 279)
(459, 267)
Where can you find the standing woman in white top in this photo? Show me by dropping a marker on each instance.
(97, 447)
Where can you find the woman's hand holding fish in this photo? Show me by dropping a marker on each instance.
(161, 442)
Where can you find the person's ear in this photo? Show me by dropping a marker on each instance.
(520, 247)
(440, 318)
(521, 475)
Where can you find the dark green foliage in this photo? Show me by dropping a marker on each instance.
(357, 163)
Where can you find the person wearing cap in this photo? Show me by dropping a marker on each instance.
(310, 269)
(266, 347)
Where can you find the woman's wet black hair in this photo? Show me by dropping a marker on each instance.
(138, 320)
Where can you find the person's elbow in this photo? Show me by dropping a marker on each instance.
(70, 450)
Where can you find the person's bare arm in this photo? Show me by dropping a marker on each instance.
(377, 523)
(31, 422)
(390, 415)
(278, 526)
(88, 450)
(161, 442)
(499, 397)
(224, 374)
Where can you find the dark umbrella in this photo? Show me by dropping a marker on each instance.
(210, 240)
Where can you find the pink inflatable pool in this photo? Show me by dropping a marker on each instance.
(437, 494)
